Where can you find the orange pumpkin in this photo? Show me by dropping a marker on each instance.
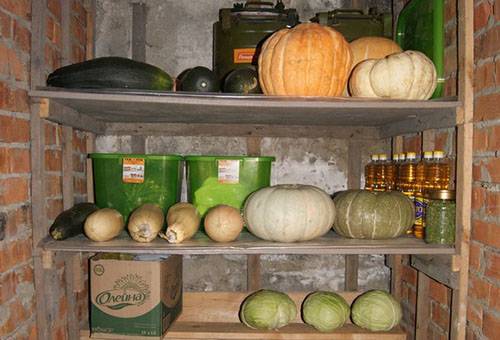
(372, 48)
(307, 60)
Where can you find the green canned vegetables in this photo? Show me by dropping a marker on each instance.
(440, 217)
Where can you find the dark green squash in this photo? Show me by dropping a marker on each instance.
(111, 72)
(242, 80)
(373, 215)
(70, 222)
(198, 79)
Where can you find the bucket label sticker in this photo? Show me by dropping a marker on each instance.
(228, 171)
(243, 55)
(133, 170)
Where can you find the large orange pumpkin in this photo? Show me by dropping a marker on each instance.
(307, 60)
(372, 48)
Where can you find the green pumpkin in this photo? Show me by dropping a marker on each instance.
(373, 215)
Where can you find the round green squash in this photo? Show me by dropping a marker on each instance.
(242, 80)
(373, 215)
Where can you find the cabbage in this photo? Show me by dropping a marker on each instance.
(325, 311)
(376, 310)
(268, 309)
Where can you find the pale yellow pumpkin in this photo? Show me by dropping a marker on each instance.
(407, 75)
(372, 48)
(307, 60)
(289, 213)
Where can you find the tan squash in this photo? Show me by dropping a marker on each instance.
(223, 223)
(408, 75)
(307, 60)
(145, 223)
(104, 225)
(183, 221)
(372, 48)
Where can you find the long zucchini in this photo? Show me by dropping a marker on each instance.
(70, 222)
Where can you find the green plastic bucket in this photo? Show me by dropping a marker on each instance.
(214, 180)
(126, 181)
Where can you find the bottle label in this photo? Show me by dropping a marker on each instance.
(243, 55)
(133, 170)
(420, 204)
(229, 171)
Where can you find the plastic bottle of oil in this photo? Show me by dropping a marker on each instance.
(402, 160)
(391, 173)
(408, 174)
(370, 173)
(380, 174)
(421, 184)
(441, 177)
(396, 162)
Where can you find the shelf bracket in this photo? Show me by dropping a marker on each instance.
(47, 259)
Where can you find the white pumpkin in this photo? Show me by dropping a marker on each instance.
(289, 213)
(406, 75)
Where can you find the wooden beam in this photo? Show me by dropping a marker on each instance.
(66, 116)
(439, 268)
(139, 20)
(66, 33)
(90, 146)
(67, 167)
(90, 6)
(420, 123)
(423, 307)
(138, 144)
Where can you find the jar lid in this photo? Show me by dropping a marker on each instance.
(441, 194)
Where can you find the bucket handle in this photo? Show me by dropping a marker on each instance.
(257, 3)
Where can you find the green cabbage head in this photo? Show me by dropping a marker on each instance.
(376, 310)
(268, 309)
(325, 311)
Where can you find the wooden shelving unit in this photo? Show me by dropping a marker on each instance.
(148, 113)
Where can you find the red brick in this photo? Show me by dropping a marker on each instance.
(441, 141)
(79, 141)
(496, 10)
(59, 333)
(494, 137)
(439, 293)
(480, 139)
(479, 289)
(52, 57)
(487, 44)
(484, 76)
(80, 185)
(54, 208)
(8, 282)
(409, 275)
(15, 253)
(13, 160)
(475, 257)
(492, 269)
(5, 25)
(21, 8)
(14, 190)
(17, 219)
(478, 198)
(18, 314)
(78, 53)
(493, 170)
(494, 301)
(450, 11)
(53, 160)
(12, 99)
(412, 144)
(491, 325)
(53, 134)
(79, 162)
(80, 12)
(486, 233)
(54, 31)
(53, 186)
(450, 60)
(477, 171)
(450, 86)
(54, 7)
(486, 107)
(11, 65)
(492, 206)
(78, 31)
(22, 37)
(475, 313)
(440, 316)
(482, 13)
(14, 130)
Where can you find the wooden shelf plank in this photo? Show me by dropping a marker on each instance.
(248, 244)
(126, 106)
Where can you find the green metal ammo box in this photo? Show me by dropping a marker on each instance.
(355, 23)
(242, 29)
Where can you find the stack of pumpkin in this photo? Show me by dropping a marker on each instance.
(315, 60)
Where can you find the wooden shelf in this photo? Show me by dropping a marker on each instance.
(248, 244)
(144, 112)
(214, 315)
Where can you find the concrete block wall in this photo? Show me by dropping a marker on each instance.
(17, 301)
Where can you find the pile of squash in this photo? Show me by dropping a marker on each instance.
(315, 60)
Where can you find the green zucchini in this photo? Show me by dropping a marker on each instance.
(111, 72)
(70, 222)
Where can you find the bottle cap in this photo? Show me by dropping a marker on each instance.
(427, 154)
(438, 154)
(382, 157)
(375, 157)
(395, 157)
(440, 194)
(402, 156)
(411, 155)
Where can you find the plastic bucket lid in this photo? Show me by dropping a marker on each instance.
(242, 158)
(124, 155)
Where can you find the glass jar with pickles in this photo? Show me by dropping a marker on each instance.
(440, 217)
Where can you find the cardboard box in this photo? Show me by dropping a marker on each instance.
(134, 298)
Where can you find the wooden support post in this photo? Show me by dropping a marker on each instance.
(139, 15)
(254, 276)
(90, 6)
(353, 182)
(90, 173)
(423, 307)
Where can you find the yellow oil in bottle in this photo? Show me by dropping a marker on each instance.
(370, 173)
(402, 160)
(380, 174)
(442, 175)
(408, 177)
(421, 184)
(390, 173)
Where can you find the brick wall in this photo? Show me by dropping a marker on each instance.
(17, 302)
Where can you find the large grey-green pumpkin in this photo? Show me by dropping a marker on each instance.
(373, 215)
